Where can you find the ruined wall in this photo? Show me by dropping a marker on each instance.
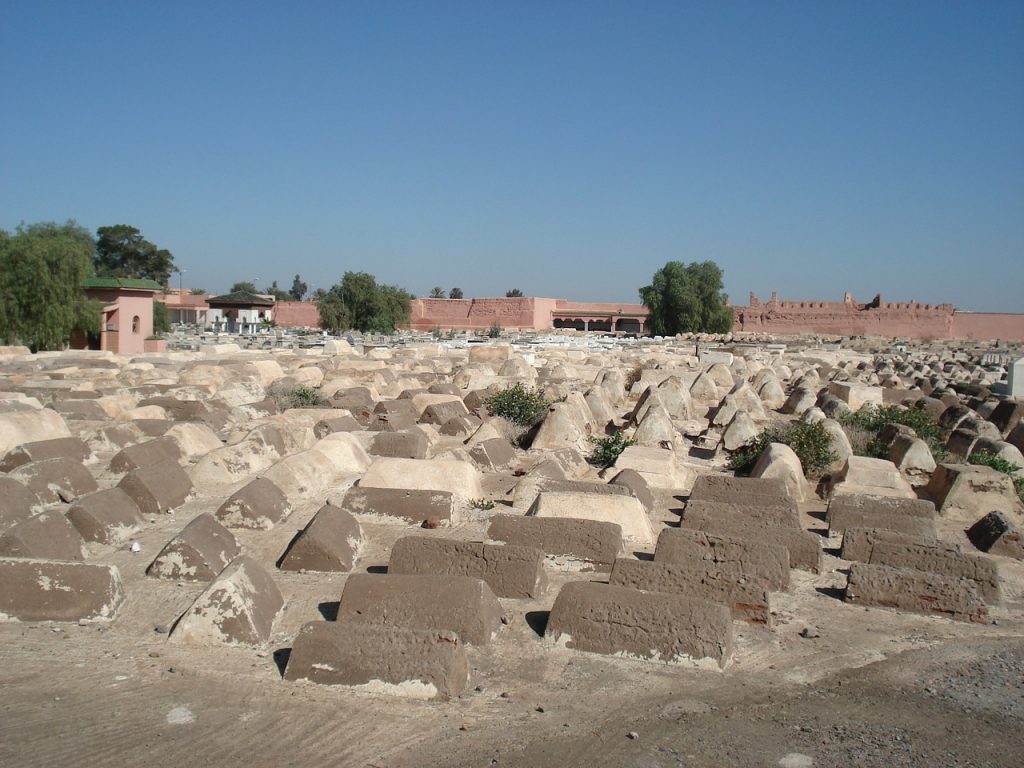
(296, 314)
(888, 319)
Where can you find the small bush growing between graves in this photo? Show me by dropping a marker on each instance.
(607, 449)
(481, 504)
(873, 418)
(633, 377)
(494, 331)
(811, 443)
(999, 464)
(298, 397)
(518, 404)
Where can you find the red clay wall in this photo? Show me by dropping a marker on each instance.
(475, 314)
(1005, 326)
(887, 319)
(296, 314)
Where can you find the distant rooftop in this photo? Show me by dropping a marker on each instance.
(242, 297)
(132, 283)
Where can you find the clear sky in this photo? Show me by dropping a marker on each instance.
(568, 149)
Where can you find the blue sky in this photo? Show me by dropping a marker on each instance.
(567, 149)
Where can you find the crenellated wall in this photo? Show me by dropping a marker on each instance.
(889, 319)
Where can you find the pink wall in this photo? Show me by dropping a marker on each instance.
(129, 305)
(296, 314)
(478, 314)
(1005, 326)
(888, 319)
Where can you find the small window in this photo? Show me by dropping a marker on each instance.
(135, 324)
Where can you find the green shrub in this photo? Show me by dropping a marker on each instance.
(518, 404)
(607, 449)
(495, 330)
(305, 397)
(481, 504)
(811, 443)
(874, 418)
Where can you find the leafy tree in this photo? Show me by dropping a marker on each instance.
(299, 289)
(122, 251)
(319, 294)
(277, 293)
(514, 293)
(42, 267)
(455, 293)
(333, 313)
(367, 305)
(245, 287)
(437, 292)
(198, 292)
(687, 298)
(161, 321)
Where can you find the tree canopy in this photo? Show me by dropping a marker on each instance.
(359, 302)
(455, 293)
(437, 292)
(243, 287)
(277, 293)
(122, 251)
(514, 293)
(299, 289)
(42, 267)
(687, 298)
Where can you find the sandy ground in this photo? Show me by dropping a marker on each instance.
(867, 687)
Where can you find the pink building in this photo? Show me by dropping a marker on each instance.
(186, 308)
(126, 320)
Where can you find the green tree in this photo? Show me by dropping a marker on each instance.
(245, 287)
(197, 291)
(455, 293)
(319, 294)
(122, 251)
(437, 292)
(42, 267)
(368, 306)
(333, 314)
(514, 293)
(161, 321)
(277, 293)
(687, 298)
(299, 289)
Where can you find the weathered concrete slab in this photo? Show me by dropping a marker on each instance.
(156, 451)
(260, 504)
(198, 552)
(459, 604)
(30, 426)
(921, 554)
(412, 505)
(916, 591)
(804, 547)
(599, 618)
(411, 444)
(459, 478)
(996, 534)
(238, 608)
(510, 571)
(47, 590)
(73, 448)
(419, 664)
(592, 541)
(158, 488)
(753, 491)
(755, 559)
(331, 541)
(46, 536)
(746, 598)
(16, 502)
(55, 480)
(625, 511)
(779, 512)
(913, 517)
(107, 517)
(964, 492)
